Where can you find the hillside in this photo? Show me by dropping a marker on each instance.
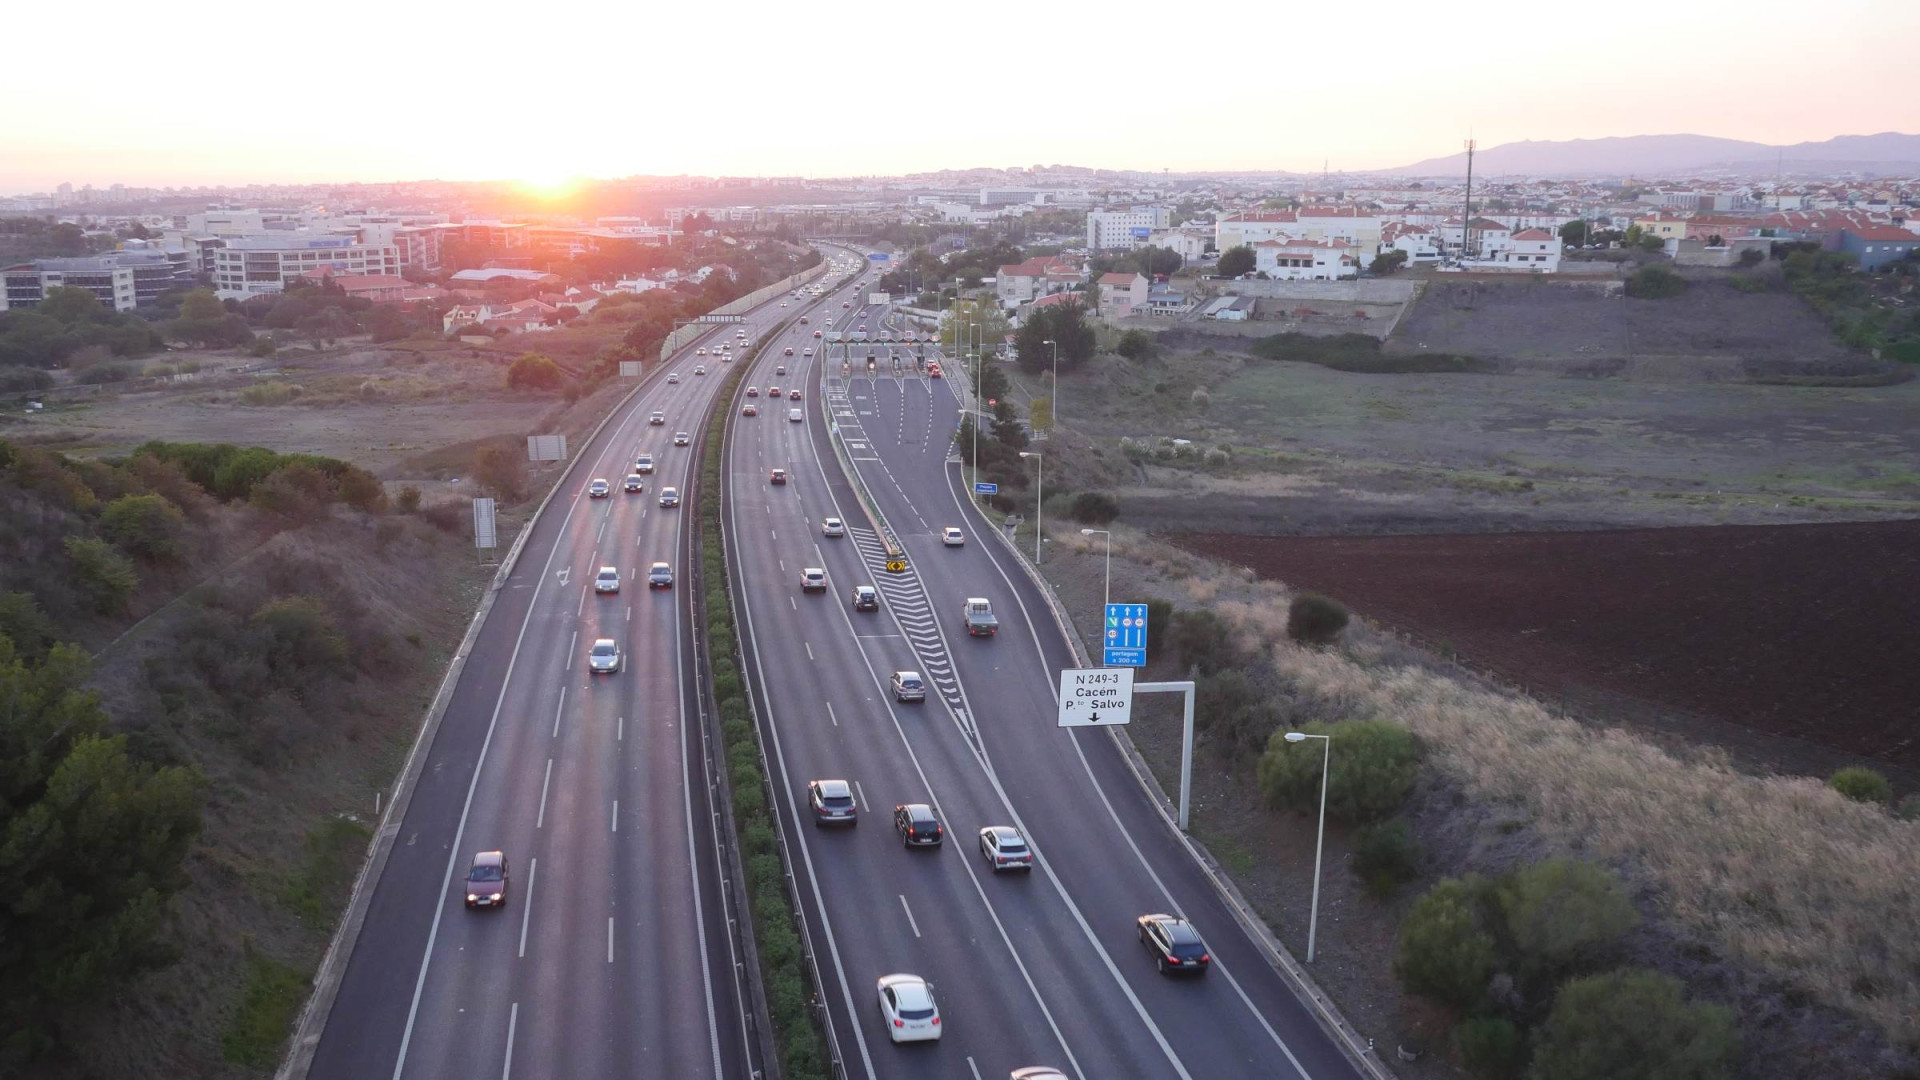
(257, 633)
(1643, 155)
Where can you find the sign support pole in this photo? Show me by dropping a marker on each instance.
(1185, 688)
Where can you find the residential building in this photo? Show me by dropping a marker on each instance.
(1356, 227)
(1190, 244)
(1121, 294)
(123, 280)
(1664, 226)
(1306, 260)
(1878, 245)
(1123, 230)
(1420, 242)
(1483, 239)
(378, 288)
(226, 223)
(1532, 249)
(261, 265)
(1229, 309)
(1167, 302)
(1021, 283)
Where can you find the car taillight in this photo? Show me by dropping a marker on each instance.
(936, 830)
(1204, 958)
(936, 1021)
(899, 1023)
(1173, 960)
(999, 858)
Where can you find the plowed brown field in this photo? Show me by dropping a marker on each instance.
(1806, 631)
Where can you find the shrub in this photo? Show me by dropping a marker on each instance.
(1747, 284)
(300, 639)
(23, 623)
(1909, 808)
(536, 372)
(1204, 640)
(1137, 345)
(1491, 1048)
(1628, 1025)
(298, 492)
(1094, 508)
(101, 374)
(1370, 769)
(275, 392)
(260, 348)
(362, 490)
(1385, 857)
(103, 574)
(501, 473)
(1216, 458)
(1861, 784)
(1655, 283)
(1313, 619)
(1752, 257)
(15, 379)
(409, 499)
(1442, 951)
(145, 525)
(1200, 398)
(1561, 916)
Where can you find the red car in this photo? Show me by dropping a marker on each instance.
(816, 333)
(789, 352)
(749, 410)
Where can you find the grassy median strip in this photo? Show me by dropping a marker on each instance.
(782, 967)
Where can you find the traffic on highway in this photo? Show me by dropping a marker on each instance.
(983, 892)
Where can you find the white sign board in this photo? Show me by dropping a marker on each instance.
(1095, 697)
(630, 369)
(546, 448)
(484, 535)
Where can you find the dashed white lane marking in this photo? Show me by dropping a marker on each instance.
(542, 822)
(561, 708)
(526, 903)
(860, 792)
(616, 816)
(513, 1021)
(909, 911)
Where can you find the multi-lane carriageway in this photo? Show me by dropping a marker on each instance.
(612, 958)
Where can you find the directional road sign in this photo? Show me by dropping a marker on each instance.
(1125, 640)
(1095, 697)
(984, 488)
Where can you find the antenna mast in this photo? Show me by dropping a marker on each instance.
(1466, 214)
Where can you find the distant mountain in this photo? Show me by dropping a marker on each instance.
(1668, 155)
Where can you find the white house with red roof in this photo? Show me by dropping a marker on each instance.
(1122, 295)
(1306, 260)
(1357, 227)
(1420, 242)
(1484, 239)
(1532, 249)
(1020, 283)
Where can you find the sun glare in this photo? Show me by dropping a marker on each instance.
(550, 185)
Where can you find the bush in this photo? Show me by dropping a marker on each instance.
(1216, 458)
(1861, 784)
(1628, 1025)
(275, 392)
(1094, 508)
(1200, 398)
(298, 492)
(1561, 916)
(1490, 1048)
(1370, 769)
(1137, 345)
(101, 374)
(1909, 808)
(1313, 619)
(1752, 257)
(535, 372)
(501, 473)
(1655, 283)
(103, 574)
(23, 623)
(1747, 284)
(300, 639)
(145, 525)
(1442, 951)
(260, 348)
(362, 490)
(1204, 640)
(409, 499)
(15, 379)
(1385, 857)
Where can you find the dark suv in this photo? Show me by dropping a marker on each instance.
(917, 825)
(1175, 944)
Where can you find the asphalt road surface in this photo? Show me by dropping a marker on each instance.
(610, 956)
(1040, 968)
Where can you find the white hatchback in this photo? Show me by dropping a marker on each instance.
(907, 1005)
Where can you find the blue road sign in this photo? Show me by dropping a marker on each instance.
(878, 256)
(1125, 639)
(986, 489)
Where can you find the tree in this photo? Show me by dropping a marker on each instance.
(1235, 261)
(1157, 261)
(1387, 262)
(362, 490)
(1574, 233)
(145, 525)
(1064, 324)
(91, 841)
(990, 326)
(324, 327)
(1443, 952)
(1632, 1025)
(72, 306)
(1137, 345)
(533, 371)
(1370, 770)
(1559, 916)
(103, 574)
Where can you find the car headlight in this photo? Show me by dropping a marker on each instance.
(495, 896)
(472, 897)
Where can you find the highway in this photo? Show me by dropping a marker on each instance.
(611, 956)
(1029, 969)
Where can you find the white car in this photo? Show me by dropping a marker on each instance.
(681, 438)
(795, 415)
(604, 657)
(607, 580)
(643, 463)
(833, 526)
(813, 579)
(1005, 849)
(659, 419)
(700, 369)
(701, 351)
(952, 536)
(907, 1005)
(673, 376)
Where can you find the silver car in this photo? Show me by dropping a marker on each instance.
(908, 686)
(669, 496)
(607, 580)
(604, 657)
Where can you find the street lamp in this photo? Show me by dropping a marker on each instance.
(1039, 502)
(1326, 759)
(1106, 578)
(1054, 405)
(962, 349)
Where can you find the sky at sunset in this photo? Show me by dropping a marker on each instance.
(190, 93)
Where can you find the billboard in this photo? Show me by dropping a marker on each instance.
(1140, 232)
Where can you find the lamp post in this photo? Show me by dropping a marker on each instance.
(1039, 502)
(1054, 405)
(1106, 577)
(962, 349)
(1326, 759)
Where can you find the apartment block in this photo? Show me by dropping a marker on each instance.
(260, 265)
(1124, 230)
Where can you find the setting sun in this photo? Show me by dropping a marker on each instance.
(550, 185)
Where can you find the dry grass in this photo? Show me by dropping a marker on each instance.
(1782, 873)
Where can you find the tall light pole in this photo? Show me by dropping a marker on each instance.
(1326, 759)
(1054, 405)
(1039, 502)
(976, 404)
(1106, 577)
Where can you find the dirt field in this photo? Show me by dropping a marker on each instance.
(1584, 328)
(1798, 630)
